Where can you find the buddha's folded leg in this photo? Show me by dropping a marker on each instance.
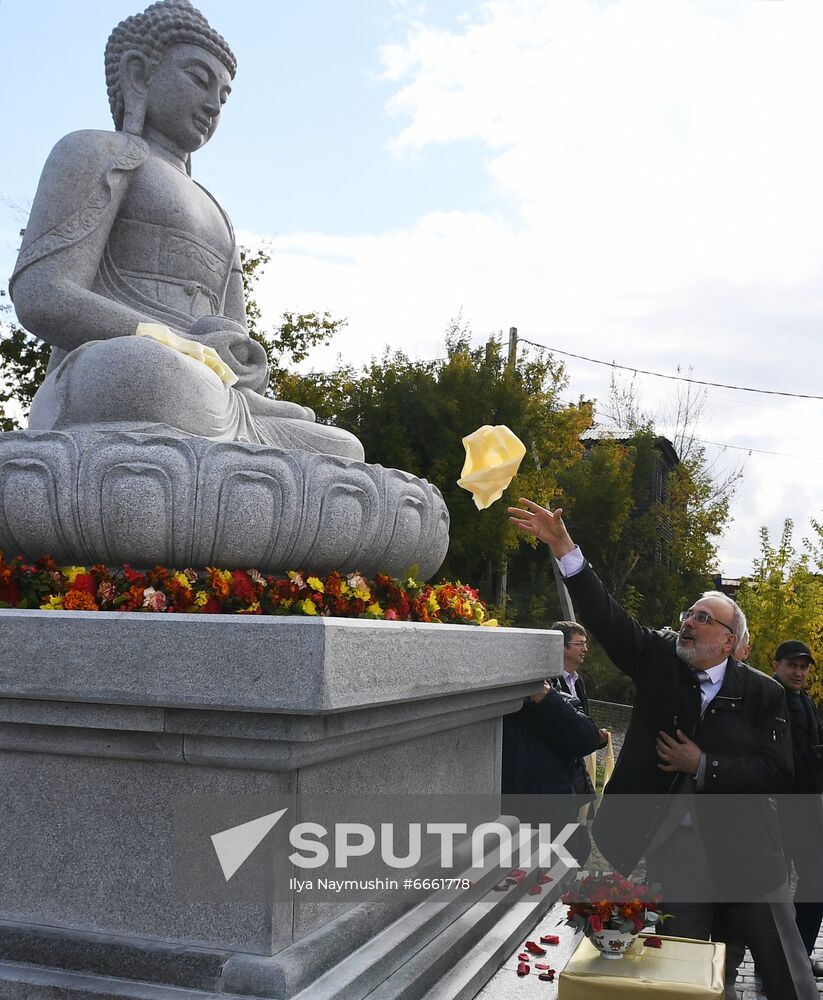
(136, 383)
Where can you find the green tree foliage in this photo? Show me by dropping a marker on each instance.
(297, 333)
(23, 362)
(412, 415)
(783, 599)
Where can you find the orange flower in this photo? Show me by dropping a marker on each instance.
(79, 600)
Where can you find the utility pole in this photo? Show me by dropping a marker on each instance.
(512, 360)
(503, 569)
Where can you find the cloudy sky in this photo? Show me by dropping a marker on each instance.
(636, 181)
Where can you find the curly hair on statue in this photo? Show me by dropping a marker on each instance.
(156, 29)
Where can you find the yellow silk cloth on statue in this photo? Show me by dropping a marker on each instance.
(681, 969)
(191, 348)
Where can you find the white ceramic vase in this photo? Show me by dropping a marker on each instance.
(612, 944)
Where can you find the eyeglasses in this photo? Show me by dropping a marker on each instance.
(582, 642)
(702, 617)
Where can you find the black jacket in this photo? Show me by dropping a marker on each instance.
(580, 691)
(541, 743)
(744, 733)
(807, 743)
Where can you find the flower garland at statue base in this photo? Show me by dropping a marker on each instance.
(47, 587)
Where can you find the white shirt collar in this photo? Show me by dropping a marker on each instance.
(717, 672)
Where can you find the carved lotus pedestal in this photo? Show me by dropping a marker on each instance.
(155, 499)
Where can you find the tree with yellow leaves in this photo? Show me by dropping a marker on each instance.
(783, 599)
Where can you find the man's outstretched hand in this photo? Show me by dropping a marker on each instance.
(546, 526)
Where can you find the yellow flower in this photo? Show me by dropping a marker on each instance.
(308, 607)
(493, 456)
(316, 584)
(54, 603)
(183, 580)
(72, 572)
(374, 609)
(201, 598)
(491, 623)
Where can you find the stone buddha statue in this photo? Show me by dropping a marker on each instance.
(121, 235)
(151, 440)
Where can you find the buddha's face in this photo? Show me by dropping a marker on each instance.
(184, 97)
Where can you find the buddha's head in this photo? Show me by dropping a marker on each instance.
(167, 37)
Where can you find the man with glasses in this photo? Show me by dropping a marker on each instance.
(707, 744)
(575, 647)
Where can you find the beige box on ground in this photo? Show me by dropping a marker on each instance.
(681, 969)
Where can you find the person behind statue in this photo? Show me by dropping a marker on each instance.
(122, 241)
(709, 846)
(575, 648)
(541, 744)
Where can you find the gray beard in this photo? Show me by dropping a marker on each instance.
(697, 651)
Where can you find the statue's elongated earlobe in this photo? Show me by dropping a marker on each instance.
(133, 78)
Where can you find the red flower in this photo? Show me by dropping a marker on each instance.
(243, 587)
(212, 607)
(596, 923)
(9, 593)
(132, 576)
(86, 583)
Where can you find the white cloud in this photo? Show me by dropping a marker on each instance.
(664, 166)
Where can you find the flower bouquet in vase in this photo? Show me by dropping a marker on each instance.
(611, 911)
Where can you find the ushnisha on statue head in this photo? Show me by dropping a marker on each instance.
(137, 45)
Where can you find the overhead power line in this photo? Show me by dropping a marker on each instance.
(673, 378)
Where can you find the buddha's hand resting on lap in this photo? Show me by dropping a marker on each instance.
(247, 359)
(244, 356)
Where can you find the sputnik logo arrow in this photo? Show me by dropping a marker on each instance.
(233, 846)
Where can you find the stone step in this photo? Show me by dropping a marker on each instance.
(456, 964)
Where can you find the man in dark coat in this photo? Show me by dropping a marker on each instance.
(575, 648)
(707, 726)
(540, 745)
(801, 813)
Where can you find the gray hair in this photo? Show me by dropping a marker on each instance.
(157, 29)
(738, 625)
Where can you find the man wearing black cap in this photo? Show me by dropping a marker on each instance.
(801, 815)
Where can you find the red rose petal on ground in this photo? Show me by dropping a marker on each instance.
(501, 887)
(653, 942)
(517, 873)
(523, 969)
(535, 949)
(515, 879)
(535, 890)
(540, 965)
(550, 939)
(524, 956)
(544, 879)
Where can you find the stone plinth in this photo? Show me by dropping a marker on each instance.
(109, 721)
(84, 497)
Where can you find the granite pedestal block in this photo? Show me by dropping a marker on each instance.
(109, 721)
